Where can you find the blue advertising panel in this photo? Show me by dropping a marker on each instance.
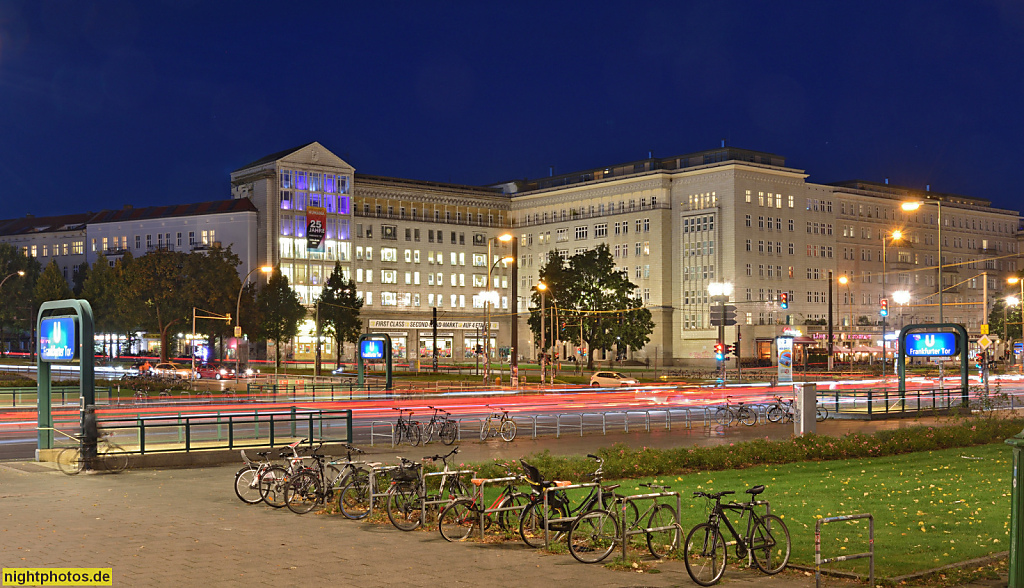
(371, 349)
(931, 344)
(57, 339)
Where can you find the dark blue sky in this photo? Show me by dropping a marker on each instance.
(154, 102)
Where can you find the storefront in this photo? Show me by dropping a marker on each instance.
(445, 344)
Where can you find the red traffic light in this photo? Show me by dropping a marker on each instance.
(784, 300)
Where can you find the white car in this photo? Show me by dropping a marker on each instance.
(172, 370)
(611, 380)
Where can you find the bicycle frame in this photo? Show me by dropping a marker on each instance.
(635, 529)
(747, 509)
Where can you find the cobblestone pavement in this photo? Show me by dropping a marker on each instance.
(186, 527)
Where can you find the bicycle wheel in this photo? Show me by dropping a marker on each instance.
(449, 431)
(414, 434)
(627, 511)
(508, 431)
(405, 508)
(592, 536)
(508, 520)
(704, 554)
(458, 520)
(303, 492)
(747, 416)
(485, 429)
(663, 542)
(428, 432)
(246, 487)
(272, 484)
(354, 500)
(115, 458)
(723, 416)
(531, 524)
(770, 544)
(821, 414)
(69, 461)
(774, 414)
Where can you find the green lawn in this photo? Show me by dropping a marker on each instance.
(930, 509)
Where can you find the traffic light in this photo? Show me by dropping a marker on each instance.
(727, 350)
(719, 352)
(885, 307)
(735, 349)
(784, 300)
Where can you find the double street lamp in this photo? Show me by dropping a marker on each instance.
(845, 281)
(1011, 281)
(895, 236)
(912, 206)
(238, 313)
(488, 294)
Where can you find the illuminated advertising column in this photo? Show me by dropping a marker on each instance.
(784, 345)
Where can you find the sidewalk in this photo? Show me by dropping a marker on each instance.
(185, 526)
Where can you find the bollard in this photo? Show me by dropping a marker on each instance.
(805, 408)
(1016, 566)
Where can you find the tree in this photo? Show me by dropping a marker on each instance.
(596, 301)
(1012, 324)
(16, 310)
(280, 312)
(339, 310)
(78, 280)
(51, 285)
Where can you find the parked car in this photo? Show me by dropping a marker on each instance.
(171, 370)
(611, 379)
(215, 372)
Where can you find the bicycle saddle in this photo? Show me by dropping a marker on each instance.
(262, 453)
(756, 490)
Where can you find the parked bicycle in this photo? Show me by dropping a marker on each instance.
(317, 484)
(247, 479)
(442, 425)
(783, 411)
(559, 507)
(766, 540)
(498, 423)
(408, 498)
(273, 481)
(110, 457)
(594, 534)
(358, 497)
(459, 519)
(731, 413)
(407, 429)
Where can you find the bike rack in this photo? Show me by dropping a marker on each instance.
(537, 425)
(488, 511)
(559, 425)
(604, 420)
(439, 500)
(547, 521)
(870, 554)
(389, 435)
(624, 533)
(373, 484)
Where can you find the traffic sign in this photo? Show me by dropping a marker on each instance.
(984, 342)
(717, 319)
(984, 329)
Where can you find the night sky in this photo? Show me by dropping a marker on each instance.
(154, 102)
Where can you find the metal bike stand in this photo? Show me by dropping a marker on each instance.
(373, 484)
(870, 554)
(423, 484)
(390, 435)
(547, 521)
(487, 511)
(624, 534)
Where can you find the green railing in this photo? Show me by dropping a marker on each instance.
(876, 402)
(225, 429)
(59, 395)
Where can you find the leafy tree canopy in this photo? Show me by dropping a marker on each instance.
(279, 311)
(339, 310)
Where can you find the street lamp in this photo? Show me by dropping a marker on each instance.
(845, 281)
(912, 206)
(238, 312)
(11, 275)
(895, 236)
(1012, 281)
(514, 348)
(488, 294)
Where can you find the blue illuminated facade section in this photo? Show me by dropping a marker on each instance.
(931, 344)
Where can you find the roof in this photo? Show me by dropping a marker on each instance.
(273, 157)
(70, 222)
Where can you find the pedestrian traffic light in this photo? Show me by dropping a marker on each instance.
(885, 307)
(735, 349)
(784, 300)
(719, 352)
(727, 350)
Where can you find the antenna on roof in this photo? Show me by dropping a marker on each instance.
(650, 154)
(927, 187)
(886, 181)
(723, 142)
(551, 171)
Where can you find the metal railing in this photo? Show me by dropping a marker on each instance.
(625, 531)
(227, 430)
(869, 554)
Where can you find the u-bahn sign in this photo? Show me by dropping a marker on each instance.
(931, 344)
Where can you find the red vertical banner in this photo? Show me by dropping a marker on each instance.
(316, 228)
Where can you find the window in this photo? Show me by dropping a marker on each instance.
(747, 220)
(388, 276)
(369, 253)
(581, 232)
(388, 299)
(601, 230)
(388, 254)
(647, 225)
(479, 260)
(408, 256)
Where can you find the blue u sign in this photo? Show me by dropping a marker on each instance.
(931, 344)
(372, 349)
(57, 339)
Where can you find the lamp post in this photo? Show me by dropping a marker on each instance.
(895, 236)
(1012, 281)
(845, 281)
(238, 313)
(10, 275)
(542, 287)
(910, 207)
(487, 306)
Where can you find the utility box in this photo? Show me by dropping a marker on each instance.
(805, 407)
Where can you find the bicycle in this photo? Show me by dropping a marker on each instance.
(782, 411)
(499, 423)
(356, 498)
(458, 520)
(593, 535)
(728, 414)
(408, 498)
(442, 425)
(273, 481)
(407, 429)
(767, 539)
(534, 518)
(109, 457)
(247, 479)
(317, 484)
